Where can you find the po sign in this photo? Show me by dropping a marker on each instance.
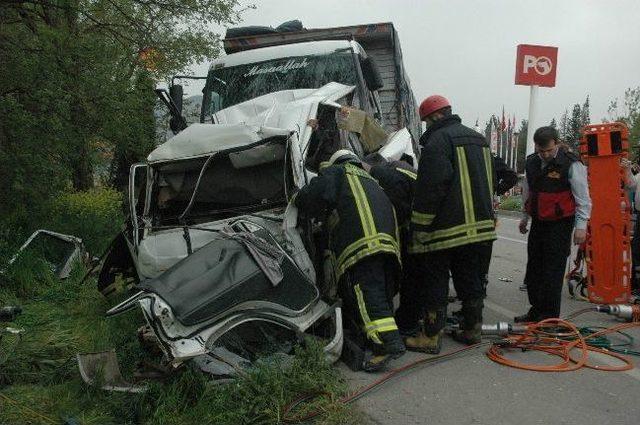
(536, 65)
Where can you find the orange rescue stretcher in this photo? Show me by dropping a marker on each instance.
(608, 249)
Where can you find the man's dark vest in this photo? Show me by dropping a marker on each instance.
(550, 196)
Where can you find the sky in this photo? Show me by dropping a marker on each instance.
(465, 50)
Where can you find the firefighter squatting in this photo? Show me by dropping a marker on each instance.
(391, 226)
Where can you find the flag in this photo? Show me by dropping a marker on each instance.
(494, 135)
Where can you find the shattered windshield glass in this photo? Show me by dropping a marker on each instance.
(229, 86)
(249, 180)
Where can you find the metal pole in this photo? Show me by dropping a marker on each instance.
(532, 119)
(515, 152)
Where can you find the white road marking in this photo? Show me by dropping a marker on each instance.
(503, 217)
(512, 239)
(634, 373)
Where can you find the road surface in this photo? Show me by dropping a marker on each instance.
(473, 390)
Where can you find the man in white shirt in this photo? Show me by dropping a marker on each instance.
(556, 195)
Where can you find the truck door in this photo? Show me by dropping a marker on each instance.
(137, 199)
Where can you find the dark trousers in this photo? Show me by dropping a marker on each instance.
(485, 262)
(426, 285)
(367, 290)
(635, 253)
(548, 247)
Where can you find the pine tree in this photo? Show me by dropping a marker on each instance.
(575, 124)
(553, 123)
(585, 118)
(522, 146)
(564, 125)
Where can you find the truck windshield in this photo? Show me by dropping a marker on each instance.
(243, 181)
(226, 87)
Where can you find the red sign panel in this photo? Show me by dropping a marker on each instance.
(536, 65)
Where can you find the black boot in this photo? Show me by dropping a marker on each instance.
(429, 341)
(471, 326)
(529, 316)
(391, 348)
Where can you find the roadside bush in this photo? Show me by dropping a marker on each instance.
(512, 203)
(94, 215)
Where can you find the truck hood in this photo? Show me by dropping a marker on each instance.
(275, 114)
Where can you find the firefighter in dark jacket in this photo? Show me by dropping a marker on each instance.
(556, 194)
(452, 215)
(363, 237)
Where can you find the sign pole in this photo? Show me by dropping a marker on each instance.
(533, 94)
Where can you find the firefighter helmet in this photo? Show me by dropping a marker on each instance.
(343, 155)
(432, 104)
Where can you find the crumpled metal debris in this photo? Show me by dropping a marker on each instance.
(267, 257)
(103, 368)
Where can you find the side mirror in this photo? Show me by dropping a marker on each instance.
(371, 74)
(176, 92)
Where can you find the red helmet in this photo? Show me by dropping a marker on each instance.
(432, 104)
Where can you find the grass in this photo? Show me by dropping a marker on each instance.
(40, 383)
(512, 203)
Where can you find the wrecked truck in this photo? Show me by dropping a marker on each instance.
(212, 184)
(224, 269)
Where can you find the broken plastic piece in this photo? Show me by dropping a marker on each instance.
(102, 367)
(13, 331)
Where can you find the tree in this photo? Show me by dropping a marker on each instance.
(628, 112)
(522, 146)
(553, 123)
(564, 125)
(77, 86)
(585, 118)
(572, 137)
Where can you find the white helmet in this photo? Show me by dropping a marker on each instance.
(343, 155)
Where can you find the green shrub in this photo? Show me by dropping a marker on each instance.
(95, 216)
(512, 203)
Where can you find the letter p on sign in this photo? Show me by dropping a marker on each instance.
(536, 65)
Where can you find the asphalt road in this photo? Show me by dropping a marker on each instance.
(471, 389)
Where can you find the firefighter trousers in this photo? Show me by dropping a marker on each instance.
(426, 286)
(367, 290)
(548, 247)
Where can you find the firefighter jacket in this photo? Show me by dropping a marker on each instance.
(360, 218)
(550, 197)
(397, 180)
(453, 196)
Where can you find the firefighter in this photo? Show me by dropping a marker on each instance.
(363, 237)
(556, 194)
(397, 179)
(452, 215)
